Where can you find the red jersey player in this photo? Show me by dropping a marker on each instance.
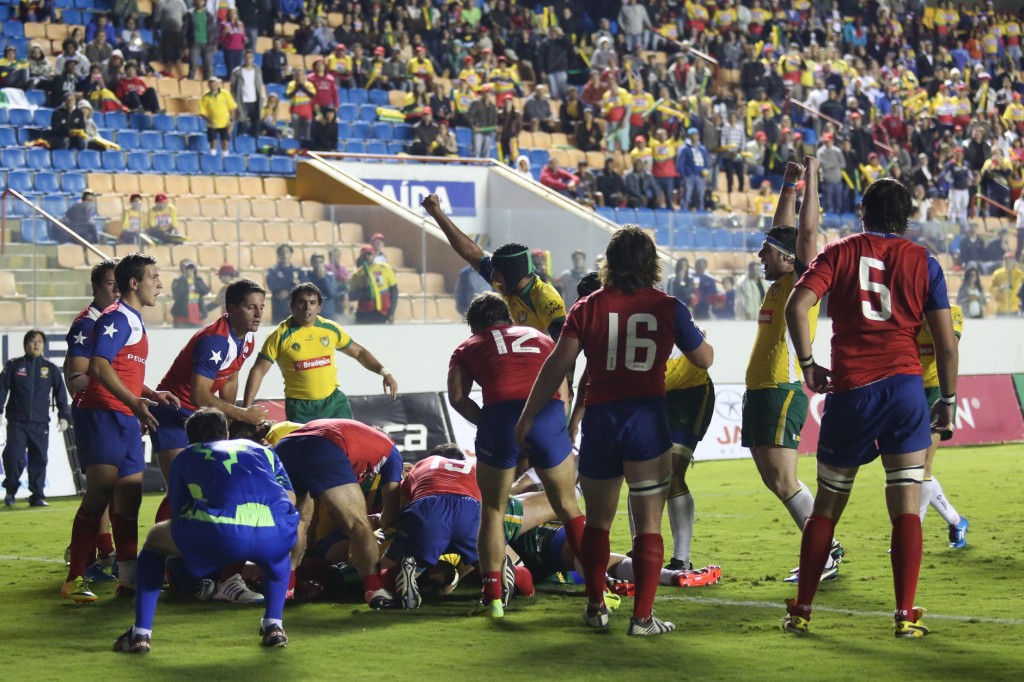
(110, 418)
(881, 287)
(626, 330)
(505, 359)
(441, 514)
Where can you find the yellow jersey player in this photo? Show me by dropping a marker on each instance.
(531, 301)
(931, 491)
(774, 404)
(303, 347)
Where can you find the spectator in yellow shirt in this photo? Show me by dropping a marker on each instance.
(218, 107)
(1005, 286)
(162, 224)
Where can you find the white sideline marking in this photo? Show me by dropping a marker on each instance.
(38, 559)
(826, 609)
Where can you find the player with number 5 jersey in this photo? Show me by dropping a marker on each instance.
(626, 331)
(504, 360)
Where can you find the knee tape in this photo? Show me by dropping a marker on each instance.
(649, 487)
(913, 475)
(833, 481)
(683, 451)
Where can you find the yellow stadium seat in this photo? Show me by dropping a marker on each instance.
(11, 314)
(395, 256)
(176, 185)
(409, 283)
(350, 233)
(227, 185)
(39, 314)
(213, 207)
(126, 184)
(433, 283)
(249, 231)
(263, 255)
(324, 231)
(188, 207)
(100, 183)
(446, 311)
(210, 255)
(275, 187)
(201, 185)
(288, 209)
(8, 286)
(301, 233)
(276, 231)
(312, 210)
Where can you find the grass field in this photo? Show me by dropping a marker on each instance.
(729, 631)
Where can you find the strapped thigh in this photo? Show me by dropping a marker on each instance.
(902, 476)
(649, 487)
(833, 481)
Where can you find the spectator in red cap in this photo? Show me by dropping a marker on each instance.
(378, 243)
(424, 133)
(341, 64)
(226, 274)
(373, 289)
(162, 223)
(420, 67)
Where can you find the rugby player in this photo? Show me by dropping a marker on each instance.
(303, 347)
(231, 502)
(931, 491)
(626, 330)
(504, 360)
(76, 376)
(774, 404)
(109, 421)
(531, 301)
(326, 459)
(881, 287)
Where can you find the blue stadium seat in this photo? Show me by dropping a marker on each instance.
(265, 141)
(41, 117)
(151, 140)
(625, 215)
(287, 143)
(35, 231)
(163, 122)
(74, 183)
(4, 113)
(63, 159)
(138, 162)
(163, 162)
(14, 29)
(140, 121)
(367, 112)
(383, 131)
(376, 147)
(259, 164)
(38, 159)
(276, 89)
(147, 36)
(340, 146)
(465, 152)
(662, 236)
(198, 143)
(47, 181)
(21, 117)
(343, 96)
(396, 147)
(115, 119)
(244, 144)
(234, 164)
(188, 124)
(739, 239)
(606, 212)
(538, 157)
(20, 181)
(355, 146)
(72, 17)
(348, 112)
(210, 164)
(362, 130)
(464, 135)
(344, 130)
(187, 163)
(684, 239)
(401, 131)
(663, 217)
(26, 135)
(130, 139)
(282, 165)
(703, 239)
(359, 96)
(8, 137)
(645, 217)
(378, 97)
(175, 142)
(55, 204)
(113, 161)
(36, 98)
(721, 239)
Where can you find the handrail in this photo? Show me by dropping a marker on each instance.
(836, 123)
(18, 195)
(468, 160)
(995, 203)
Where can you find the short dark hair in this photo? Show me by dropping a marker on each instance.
(132, 266)
(588, 284)
(631, 261)
(886, 207)
(207, 424)
(487, 310)
(246, 431)
(785, 235)
(306, 288)
(31, 334)
(448, 450)
(239, 290)
(100, 270)
(282, 247)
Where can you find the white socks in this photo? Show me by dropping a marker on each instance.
(624, 571)
(941, 504)
(136, 630)
(680, 518)
(800, 505)
(271, 622)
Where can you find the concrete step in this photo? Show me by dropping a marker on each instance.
(74, 287)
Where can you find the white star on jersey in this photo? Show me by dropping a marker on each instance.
(80, 337)
(110, 330)
(215, 356)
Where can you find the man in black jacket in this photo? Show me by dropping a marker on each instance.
(63, 120)
(553, 58)
(275, 64)
(30, 381)
(424, 134)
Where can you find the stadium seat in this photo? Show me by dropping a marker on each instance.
(175, 142)
(401, 131)
(244, 144)
(266, 141)
(464, 136)
(234, 164)
(359, 96)
(721, 239)
(378, 97)
(26, 135)
(367, 112)
(282, 165)
(375, 147)
(47, 182)
(73, 182)
(35, 231)
(20, 181)
(8, 137)
(21, 118)
(703, 239)
(63, 159)
(287, 143)
(355, 146)
(187, 163)
(259, 164)
(163, 162)
(396, 147)
(198, 143)
(684, 239)
(538, 158)
(362, 130)
(188, 124)
(115, 119)
(36, 98)
(163, 123)
(606, 212)
(210, 164)
(130, 139)
(14, 29)
(276, 89)
(55, 204)
(113, 161)
(139, 162)
(151, 140)
(348, 112)
(41, 117)
(662, 237)
(383, 131)
(645, 217)
(140, 121)
(38, 159)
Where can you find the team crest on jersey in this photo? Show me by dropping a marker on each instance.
(44, 372)
(296, 346)
(325, 341)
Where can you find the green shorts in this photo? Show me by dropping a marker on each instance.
(334, 406)
(513, 519)
(689, 413)
(773, 416)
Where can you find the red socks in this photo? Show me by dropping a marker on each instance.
(126, 536)
(163, 512)
(814, 548)
(105, 545)
(648, 555)
(83, 542)
(524, 582)
(594, 550)
(574, 534)
(490, 586)
(387, 578)
(906, 561)
(371, 584)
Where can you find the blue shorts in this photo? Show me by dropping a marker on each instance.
(315, 464)
(109, 437)
(888, 417)
(436, 525)
(629, 430)
(496, 441)
(171, 433)
(208, 547)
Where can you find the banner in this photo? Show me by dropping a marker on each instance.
(987, 412)
(457, 198)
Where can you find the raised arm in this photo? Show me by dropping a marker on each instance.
(785, 210)
(810, 213)
(468, 249)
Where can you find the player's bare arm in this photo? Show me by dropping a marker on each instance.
(551, 376)
(160, 397)
(468, 249)
(76, 373)
(391, 505)
(947, 360)
(785, 211)
(255, 380)
(800, 303)
(578, 407)
(101, 370)
(810, 213)
(459, 385)
(203, 396)
(703, 356)
(366, 359)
